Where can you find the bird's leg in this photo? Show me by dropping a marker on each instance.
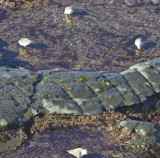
(139, 52)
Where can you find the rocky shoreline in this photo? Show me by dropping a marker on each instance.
(24, 95)
(117, 108)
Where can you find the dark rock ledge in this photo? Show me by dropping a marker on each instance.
(24, 94)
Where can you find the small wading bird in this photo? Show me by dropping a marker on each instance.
(78, 152)
(68, 15)
(23, 50)
(68, 10)
(139, 43)
(24, 42)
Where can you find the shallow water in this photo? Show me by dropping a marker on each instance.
(97, 37)
(56, 143)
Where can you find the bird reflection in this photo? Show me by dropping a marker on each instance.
(139, 43)
(24, 51)
(69, 20)
(139, 52)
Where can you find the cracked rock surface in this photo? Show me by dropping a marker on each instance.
(24, 94)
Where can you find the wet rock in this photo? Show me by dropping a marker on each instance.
(129, 97)
(44, 73)
(9, 140)
(49, 90)
(57, 77)
(115, 78)
(111, 99)
(31, 112)
(151, 72)
(138, 83)
(145, 131)
(16, 87)
(121, 84)
(24, 94)
(90, 106)
(98, 86)
(78, 90)
(61, 106)
(141, 144)
(11, 111)
(129, 125)
(90, 76)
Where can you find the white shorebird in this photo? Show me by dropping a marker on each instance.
(78, 152)
(139, 43)
(68, 10)
(24, 42)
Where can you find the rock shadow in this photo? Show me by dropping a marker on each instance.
(61, 64)
(39, 46)
(93, 155)
(80, 13)
(3, 15)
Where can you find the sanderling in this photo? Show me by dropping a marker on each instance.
(78, 152)
(68, 10)
(24, 42)
(139, 43)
